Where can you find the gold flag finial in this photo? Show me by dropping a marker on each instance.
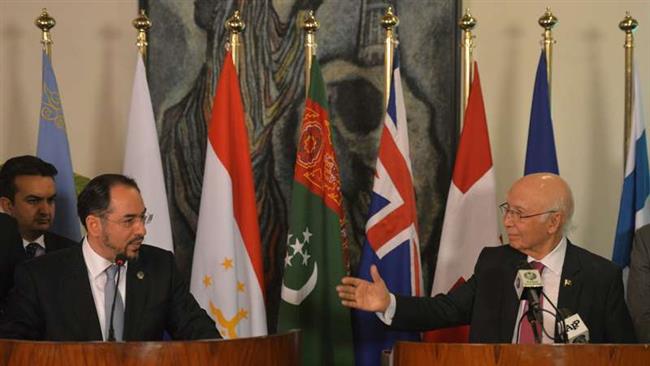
(45, 22)
(234, 24)
(389, 20)
(142, 24)
(467, 22)
(628, 24)
(310, 24)
(547, 20)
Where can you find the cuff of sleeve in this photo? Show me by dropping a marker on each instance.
(387, 316)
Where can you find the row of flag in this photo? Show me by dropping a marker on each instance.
(227, 275)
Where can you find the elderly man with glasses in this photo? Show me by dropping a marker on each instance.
(536, 215)
(112, 287)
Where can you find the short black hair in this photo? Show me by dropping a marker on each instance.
(22, 165)
(96, 196)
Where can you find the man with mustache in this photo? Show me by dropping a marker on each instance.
(536, 215)
(112, 287)
(27, 193)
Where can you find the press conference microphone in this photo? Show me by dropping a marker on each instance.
(120, 260)
(528, 285)
(575, 330)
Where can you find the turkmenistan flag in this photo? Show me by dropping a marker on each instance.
(316, 242)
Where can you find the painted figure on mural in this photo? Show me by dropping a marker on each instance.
(272, 83)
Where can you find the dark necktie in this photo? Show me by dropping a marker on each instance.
(526, 335)
(33, 250)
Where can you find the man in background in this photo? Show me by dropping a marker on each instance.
(638, 285)
(27, 193)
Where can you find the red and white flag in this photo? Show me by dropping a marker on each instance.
(471, 215)
(227, 271)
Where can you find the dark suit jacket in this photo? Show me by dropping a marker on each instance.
(638, 284)
(53, 301)
(590, 286)
(12, 252)
(9, 240)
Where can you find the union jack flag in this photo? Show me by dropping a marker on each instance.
(391, 231)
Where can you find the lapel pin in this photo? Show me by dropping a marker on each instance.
(567, 282)
(140, 275)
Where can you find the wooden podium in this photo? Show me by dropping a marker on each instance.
(460, 354)
(280, 349)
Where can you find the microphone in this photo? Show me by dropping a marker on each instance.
(528, 286)
(120, 260)
(574, 328)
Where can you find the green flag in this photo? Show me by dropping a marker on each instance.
(316, 243)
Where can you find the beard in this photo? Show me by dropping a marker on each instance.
(131, 256)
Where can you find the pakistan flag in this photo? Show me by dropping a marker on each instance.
(316, 242)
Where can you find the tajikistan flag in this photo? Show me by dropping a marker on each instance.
(227, 271)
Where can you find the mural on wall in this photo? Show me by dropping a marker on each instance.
(186, 52)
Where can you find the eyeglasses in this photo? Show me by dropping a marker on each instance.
(128, 222)
(517, 215)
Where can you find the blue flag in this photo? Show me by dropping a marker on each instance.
(634, 211)
(53, 147)
(391, 231)
(540, 154)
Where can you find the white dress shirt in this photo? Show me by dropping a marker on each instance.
(96, 266)
(551, 275)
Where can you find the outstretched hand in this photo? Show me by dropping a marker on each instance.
(363, 295)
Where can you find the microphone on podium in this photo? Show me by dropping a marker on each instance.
(572, 328)
(120, 260)
(528, 286)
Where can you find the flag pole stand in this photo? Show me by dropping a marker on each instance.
(467, 22)
(310, 25)
(389, 21)
(235, 27)
(142, 24)
(548, 21)
(628, 25)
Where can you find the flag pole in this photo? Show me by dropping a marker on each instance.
(467, 22)
(548, 21)
(628, 25)
(389, 21)
(235, 26)
(45, 22)
(142, 24)
(310, 25)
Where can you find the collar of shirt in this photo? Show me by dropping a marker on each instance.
(40, 241)
(95, 263)
(554, 261)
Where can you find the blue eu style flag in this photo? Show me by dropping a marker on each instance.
(540, 154)
(53, 147)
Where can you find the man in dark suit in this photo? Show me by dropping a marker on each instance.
(638, 284)
(27, 192)
(87, 292)
(536, 214)
(9, 239)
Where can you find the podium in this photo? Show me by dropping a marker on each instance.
(460, 354)
(279, 349)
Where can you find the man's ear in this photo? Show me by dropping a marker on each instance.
(555, 222)
(7, 205)
(93, 225)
